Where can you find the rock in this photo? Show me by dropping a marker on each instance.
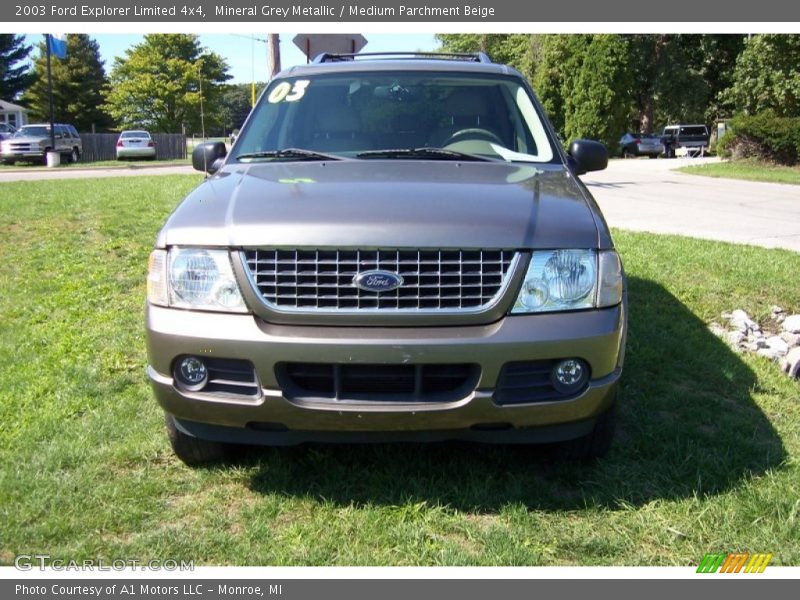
(791, 324)
(768, 353)
(776, 344)
(741, 321)
(776, 310)
(717, 329)
(734, 338)
(792, 339)
(791, 363)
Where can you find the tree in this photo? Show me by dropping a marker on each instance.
(600, 102)
(234, 105)
(515, 49)
(767, 76)
(157, 84)
(555, 79)
(78, 86)
(14, 78)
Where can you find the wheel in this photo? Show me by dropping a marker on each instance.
(44, 156)
(191, 450)
(626, 153)
(74, 155)
(594, 445)
(472, 133)
(652, 156)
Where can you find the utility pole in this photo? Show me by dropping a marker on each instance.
(273, 54)
(50, 95)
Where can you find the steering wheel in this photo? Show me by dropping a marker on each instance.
(472, 133)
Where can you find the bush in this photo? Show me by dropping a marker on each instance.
(763, 137)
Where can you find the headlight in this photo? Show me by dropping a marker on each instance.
(570, 280)
(193, 278)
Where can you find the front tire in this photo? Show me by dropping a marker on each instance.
(594, 445)
(74, 156)
(193, 451)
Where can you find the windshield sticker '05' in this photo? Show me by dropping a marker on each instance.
(286, 92)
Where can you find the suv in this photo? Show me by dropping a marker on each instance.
(396, 248)
(32, 142)
(7, 130)
(684, 136)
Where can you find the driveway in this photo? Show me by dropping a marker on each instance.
(641, 195)
(35, 174)
(647, 195)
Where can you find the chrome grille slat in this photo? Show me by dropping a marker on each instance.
(322, 280)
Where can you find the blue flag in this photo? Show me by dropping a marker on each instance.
(58, 44)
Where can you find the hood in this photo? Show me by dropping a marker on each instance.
(28, 139)
(386, 204)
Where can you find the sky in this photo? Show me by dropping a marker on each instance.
(247, 57)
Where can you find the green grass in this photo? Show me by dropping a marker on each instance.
(748, 170)
(706, 457)
(118, 164)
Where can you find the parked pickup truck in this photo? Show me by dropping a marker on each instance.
(33, 142)
(691, 137)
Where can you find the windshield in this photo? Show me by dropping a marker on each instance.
(134, 134)
(33, 131)
(358, 114)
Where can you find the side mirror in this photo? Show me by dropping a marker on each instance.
(206, 155)
(588, 155)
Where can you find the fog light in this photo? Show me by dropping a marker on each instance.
(191, 374)
(570, 375)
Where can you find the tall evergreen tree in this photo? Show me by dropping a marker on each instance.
(14, 77)
(599, 106)
(78, 86)
(157, 84)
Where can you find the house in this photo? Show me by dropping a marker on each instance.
(13, 114)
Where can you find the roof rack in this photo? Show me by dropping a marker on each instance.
(327, 57)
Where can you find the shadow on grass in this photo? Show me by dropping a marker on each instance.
(687, 426)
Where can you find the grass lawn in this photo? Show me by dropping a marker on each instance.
(119, 164)
(706, 457)
(748, 170)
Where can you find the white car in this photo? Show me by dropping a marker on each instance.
(135, 144)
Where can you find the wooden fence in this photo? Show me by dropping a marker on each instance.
(102, 146)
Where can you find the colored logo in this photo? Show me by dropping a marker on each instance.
(734, 562)
(378, 281)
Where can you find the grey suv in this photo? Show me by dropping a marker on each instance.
(396, 248)
(33, 142)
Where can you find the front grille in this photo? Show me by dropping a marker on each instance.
(432, 279)
(377, 383)
(23, 147)
(530, 381)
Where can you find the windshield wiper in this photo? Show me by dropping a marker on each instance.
(425, 152)
(291, 153)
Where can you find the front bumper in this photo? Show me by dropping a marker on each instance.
(597, 336)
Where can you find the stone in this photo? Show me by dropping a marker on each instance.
(776, 310)
(741, 321)
(791, 363)
(776, 344)
(717, 329)
(767, 353)
(792, 339)
(734, 338)
(791, 324)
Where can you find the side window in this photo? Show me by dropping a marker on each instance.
(73, 131)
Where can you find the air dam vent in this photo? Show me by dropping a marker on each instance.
(377, 383)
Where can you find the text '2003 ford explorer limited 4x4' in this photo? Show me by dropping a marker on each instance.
(395, 248)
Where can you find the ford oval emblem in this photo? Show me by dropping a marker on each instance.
(377, 281)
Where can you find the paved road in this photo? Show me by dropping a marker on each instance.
(33, 174)
(647, 195)
(642, 195)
